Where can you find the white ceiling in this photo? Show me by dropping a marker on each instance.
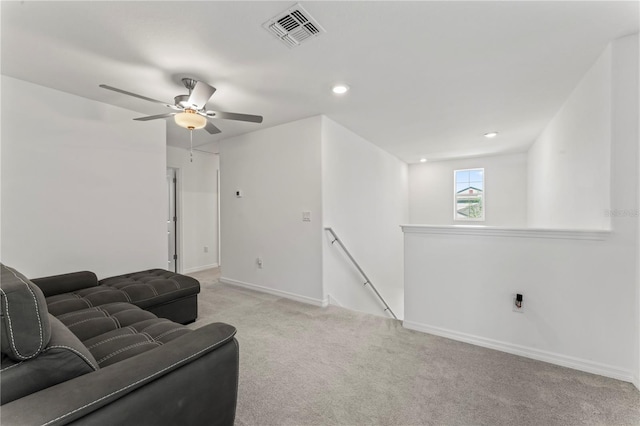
(427, 79)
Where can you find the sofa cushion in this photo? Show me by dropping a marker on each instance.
(25, 324)
(91, 322)
(63, 358)
(123, 343)
(82, 299)
(118, 331)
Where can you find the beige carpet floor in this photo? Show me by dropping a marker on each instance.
(305, 365)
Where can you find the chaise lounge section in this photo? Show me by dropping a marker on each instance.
(111, 362)
(163, 293)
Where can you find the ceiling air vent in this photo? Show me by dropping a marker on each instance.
(293, 26)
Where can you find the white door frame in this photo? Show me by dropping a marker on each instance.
(178, 213)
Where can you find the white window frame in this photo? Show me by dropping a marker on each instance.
(455, 199)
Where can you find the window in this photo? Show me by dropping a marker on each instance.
(469, 194)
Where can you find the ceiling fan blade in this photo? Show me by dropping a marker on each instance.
(155, 117)
(235, 116)
(200, 94)
(211, 128)
(124, 92)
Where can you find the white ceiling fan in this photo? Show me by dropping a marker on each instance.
(190, 110)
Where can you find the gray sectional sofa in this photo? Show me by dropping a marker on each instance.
(76, 350)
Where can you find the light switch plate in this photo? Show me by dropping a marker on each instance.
(306, 216)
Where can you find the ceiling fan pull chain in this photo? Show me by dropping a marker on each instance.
(191, 143)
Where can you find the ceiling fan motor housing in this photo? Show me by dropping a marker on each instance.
(182, 101)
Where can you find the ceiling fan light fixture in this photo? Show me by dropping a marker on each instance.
(189, 119)
(340, 89)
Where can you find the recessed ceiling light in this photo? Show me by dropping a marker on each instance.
(340, 89)
(423, 160)
(491, 135)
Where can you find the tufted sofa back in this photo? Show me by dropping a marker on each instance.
(25, 323)
(38, 351)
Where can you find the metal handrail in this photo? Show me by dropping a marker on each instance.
(368, 281)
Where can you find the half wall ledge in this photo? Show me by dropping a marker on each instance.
(496, 231)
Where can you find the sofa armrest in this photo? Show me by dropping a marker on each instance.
(65, 283)
(191, 380)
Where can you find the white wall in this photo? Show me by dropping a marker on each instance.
(83, 185)
(580, 296)
(569, 164)
(278, 171)
(431, 190)
(365, 200)
(197, 208)
(625, 169)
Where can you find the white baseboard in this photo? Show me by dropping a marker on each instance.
(298, 298)
(636, 381)
(200, 268)
(527, 352)
(333, 301)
